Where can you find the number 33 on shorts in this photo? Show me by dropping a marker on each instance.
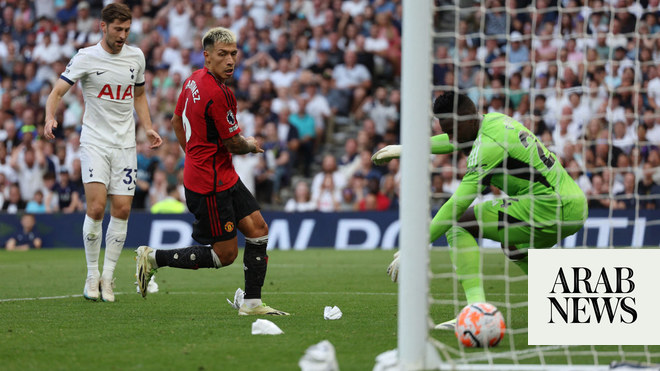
(130, 178)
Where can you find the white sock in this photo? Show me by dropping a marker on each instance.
(152, 259)
(252, 303)
(216, 259)
(115, 237)
(92, 230)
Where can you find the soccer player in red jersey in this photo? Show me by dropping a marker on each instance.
(206, 127)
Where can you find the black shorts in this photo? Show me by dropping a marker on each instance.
(217, 215)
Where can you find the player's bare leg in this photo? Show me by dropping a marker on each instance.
(96, 195)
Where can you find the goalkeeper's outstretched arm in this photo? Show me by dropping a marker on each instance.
(451, 211)
(440, 145)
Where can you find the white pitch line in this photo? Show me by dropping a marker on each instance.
(207, 293)
(232, 293)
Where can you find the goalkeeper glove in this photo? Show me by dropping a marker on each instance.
(385, 154)
(393, 268)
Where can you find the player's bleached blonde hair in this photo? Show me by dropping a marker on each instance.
(216, 34)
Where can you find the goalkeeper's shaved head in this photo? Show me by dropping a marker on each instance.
(457, 113)
(448, 101)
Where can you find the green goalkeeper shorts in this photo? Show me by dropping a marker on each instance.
(530, 222)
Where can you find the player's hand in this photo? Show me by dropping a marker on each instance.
(154, 138)
(393, 268)
(257, 147)
(48, 129)
(385, 154)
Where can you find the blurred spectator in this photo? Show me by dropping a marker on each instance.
(280, 51)
(302, 199)
(621, 138)
(68, 12)
(84, 22)
(390, 189)
(353, 80)
(170, 167)
(50, 198)
(328, 197)
(47, 51)
(648, 190)
(246, 166)
(598, 197)
(276, 171)
(625, 199)
(26, 238)
(147, 164)
(517, 51)
(306, 127)
(30, 165)
(37, 204)
(284, 100)
(170, 204)
(365, 167)
(652, 128)
(319, 108)
(328, 168)
(573, 169)
(283, 76)
(5, 165)
(374, 200)
(380, 110)
(68, 195)
(179, 20)
(349, 154)
(13, 202)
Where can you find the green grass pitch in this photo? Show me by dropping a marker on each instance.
(189, 325)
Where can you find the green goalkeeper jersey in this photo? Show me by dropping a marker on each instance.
(508, 156)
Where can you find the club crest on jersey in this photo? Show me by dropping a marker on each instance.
(229, 226)
(132, 70)
(117, 93)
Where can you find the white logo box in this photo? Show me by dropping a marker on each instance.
(567, 317)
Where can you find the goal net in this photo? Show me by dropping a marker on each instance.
(582, 75)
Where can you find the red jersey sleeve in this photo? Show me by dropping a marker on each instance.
(180, 103)
(225, 114)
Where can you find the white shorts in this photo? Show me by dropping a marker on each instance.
(116, 168)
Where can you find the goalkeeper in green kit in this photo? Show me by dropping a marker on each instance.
(544, 204)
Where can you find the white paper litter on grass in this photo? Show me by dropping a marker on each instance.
(319, 357)
(332, 313)
(265, 327)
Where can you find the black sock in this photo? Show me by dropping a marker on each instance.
(255, 263)
(192, 257)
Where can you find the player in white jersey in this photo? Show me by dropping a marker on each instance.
(112, 78)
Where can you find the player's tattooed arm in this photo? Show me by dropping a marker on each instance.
(239, 145)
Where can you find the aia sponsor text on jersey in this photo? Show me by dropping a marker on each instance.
(117, 93)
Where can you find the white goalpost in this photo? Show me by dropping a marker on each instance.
(429, 291)
(415, 353)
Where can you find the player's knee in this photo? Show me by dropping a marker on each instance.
(226, 256)
(257, 229)
(95, 211)
(453, 233)
(122, 211)
(261, 228)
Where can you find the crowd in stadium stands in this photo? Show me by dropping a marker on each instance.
(318, 84)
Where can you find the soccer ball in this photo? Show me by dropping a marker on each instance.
(480, 325)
